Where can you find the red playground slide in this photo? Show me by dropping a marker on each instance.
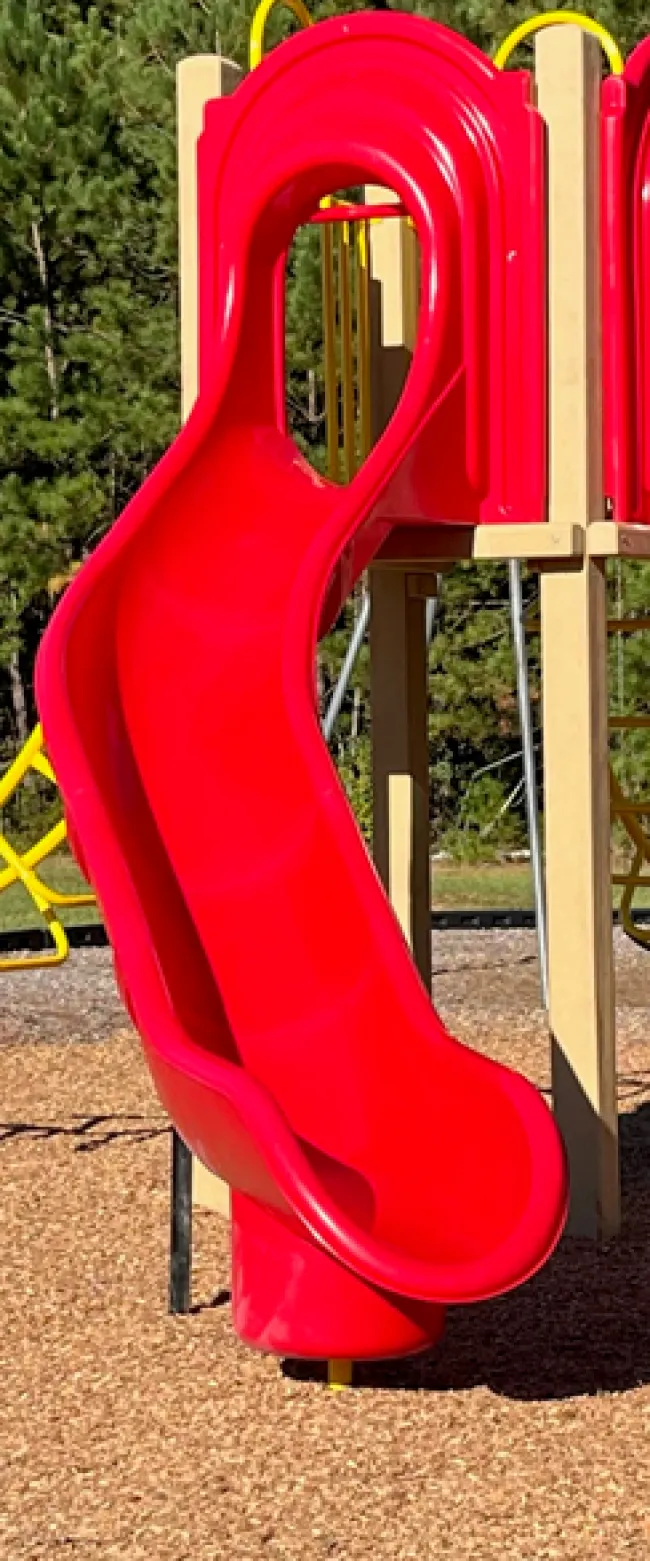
(379, 1168)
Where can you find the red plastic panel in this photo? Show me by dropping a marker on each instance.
(380, 1169)
(626, 287)
(473, 447)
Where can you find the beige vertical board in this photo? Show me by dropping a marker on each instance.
(393, 294)
(398, 651)
(400, 755)
(198, 79)
(574, 647)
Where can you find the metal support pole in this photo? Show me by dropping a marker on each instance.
(341, 687)
(180, 1254)
(529, 768)
(431, 610)
(356, 641)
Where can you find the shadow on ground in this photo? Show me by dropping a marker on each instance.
(582, 1326)
(87, 1132)
(221, 1297)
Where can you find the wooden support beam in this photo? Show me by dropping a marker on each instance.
(611, 539)
(417, 547)
(199, 78)
(393, 309)
(400, 756)
(574, 641)
(398, 649)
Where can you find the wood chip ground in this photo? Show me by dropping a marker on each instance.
(125, 1433)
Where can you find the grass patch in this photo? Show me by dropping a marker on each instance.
(455, 886)
(481, 886)
(17, 908)
(494, 886)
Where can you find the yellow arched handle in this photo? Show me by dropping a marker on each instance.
(258, 24)
(561, 18)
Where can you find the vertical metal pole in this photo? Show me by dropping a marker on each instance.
(329, 351)
(347, 349)
(530, 772)
(431, 611)
(362, 250)
(180, 1256)
(356, 640)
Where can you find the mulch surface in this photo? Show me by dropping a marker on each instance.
(127, 1433)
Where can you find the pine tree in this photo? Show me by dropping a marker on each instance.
(87, 322)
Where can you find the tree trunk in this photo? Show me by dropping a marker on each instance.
(18, 698)
(50, 357)
(356, 713)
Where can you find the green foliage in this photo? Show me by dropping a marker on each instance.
(486, 827)
(629, 690)
(304, 333)
(34, 808)
(354, 768)
(88, 348)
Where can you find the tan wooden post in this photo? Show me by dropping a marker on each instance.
(198, 79)
(398, 651)
(400, 754)
(574, 647)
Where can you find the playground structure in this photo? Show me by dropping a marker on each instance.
(570, 546)
(351, 429)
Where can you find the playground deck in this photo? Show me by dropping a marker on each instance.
(126, 1433)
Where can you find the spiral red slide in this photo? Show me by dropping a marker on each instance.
(379, 1168)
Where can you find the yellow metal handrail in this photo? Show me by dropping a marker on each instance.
(535, 24)
(20, 868)
(363, 337)
(346, 342)
(258, 24)
(329, 351)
